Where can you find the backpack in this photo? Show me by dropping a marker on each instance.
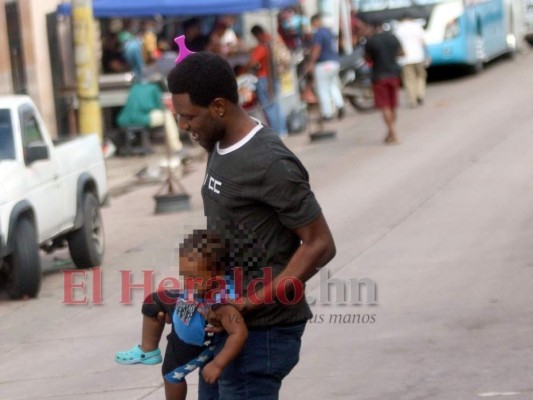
(281, 56)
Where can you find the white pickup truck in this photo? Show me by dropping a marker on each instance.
(50, 195)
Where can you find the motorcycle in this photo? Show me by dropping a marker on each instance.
(356, 81)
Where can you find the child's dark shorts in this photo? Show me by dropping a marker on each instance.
(178, 353)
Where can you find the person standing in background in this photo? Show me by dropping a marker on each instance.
(324, 63)
(414, 63)
(195, 40)
(268, 85)
(149, 39)
(382, 50)
(294, 27)
(113, 60)
(229, 38)
(222, 39)
(133, 48)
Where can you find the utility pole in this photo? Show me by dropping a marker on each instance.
(90, 114)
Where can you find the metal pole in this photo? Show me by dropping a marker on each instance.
(90, 114)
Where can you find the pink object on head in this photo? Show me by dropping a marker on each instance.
(184, 52)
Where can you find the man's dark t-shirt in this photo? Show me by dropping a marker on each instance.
(383, 49)
(256, 192)
(324, 38)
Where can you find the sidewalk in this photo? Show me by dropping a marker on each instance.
(124, 173)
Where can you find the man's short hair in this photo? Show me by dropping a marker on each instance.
(257, 30)
(204, 76)
(316, 17)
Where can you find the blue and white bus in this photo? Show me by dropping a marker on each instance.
(467, 32)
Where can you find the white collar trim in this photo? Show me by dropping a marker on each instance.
(241, 142)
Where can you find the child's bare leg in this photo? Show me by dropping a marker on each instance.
(152, 330)
(175, 391)
(147, 352)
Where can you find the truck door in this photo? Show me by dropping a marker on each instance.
(43, 177)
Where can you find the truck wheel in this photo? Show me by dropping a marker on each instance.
(87, 243)
(24, 265)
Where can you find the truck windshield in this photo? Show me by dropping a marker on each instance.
(7, 147)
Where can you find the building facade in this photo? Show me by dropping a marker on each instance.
(25, 66)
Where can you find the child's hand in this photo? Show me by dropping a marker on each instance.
(211, 372)
(163, 318)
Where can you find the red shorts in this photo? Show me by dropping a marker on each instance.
(386, 92)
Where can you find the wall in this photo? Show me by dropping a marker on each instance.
(5, 67)
(38, 68)
(36, 57)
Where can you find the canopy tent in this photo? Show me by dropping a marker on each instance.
(146, 8)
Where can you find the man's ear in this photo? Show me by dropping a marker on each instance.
(219, 106)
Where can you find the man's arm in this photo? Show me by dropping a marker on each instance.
(427, 57)
(233, 323)
(258, 53)
(314, 53)
(368, 52)
(316, 250)
(401, 51)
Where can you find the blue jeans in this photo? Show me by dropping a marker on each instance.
(328, 87)
(256, 374)
(271, 106)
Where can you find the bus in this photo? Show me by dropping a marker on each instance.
(458, 32)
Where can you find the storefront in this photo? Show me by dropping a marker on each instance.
(114, 88)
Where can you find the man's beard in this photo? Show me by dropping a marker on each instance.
(218, 133)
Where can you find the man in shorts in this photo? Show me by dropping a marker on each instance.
(382, 50)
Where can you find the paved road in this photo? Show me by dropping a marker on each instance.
(442, 224)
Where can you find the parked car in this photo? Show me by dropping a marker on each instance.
(50, 196)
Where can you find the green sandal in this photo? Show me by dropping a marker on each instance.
(136, 356)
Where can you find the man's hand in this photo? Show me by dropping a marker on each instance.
(213, 322)
(243, 306)
(309, 68)
(211, 372)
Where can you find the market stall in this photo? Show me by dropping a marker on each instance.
(290, 96)
(148, 8)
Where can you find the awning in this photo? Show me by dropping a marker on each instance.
(147, 8)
